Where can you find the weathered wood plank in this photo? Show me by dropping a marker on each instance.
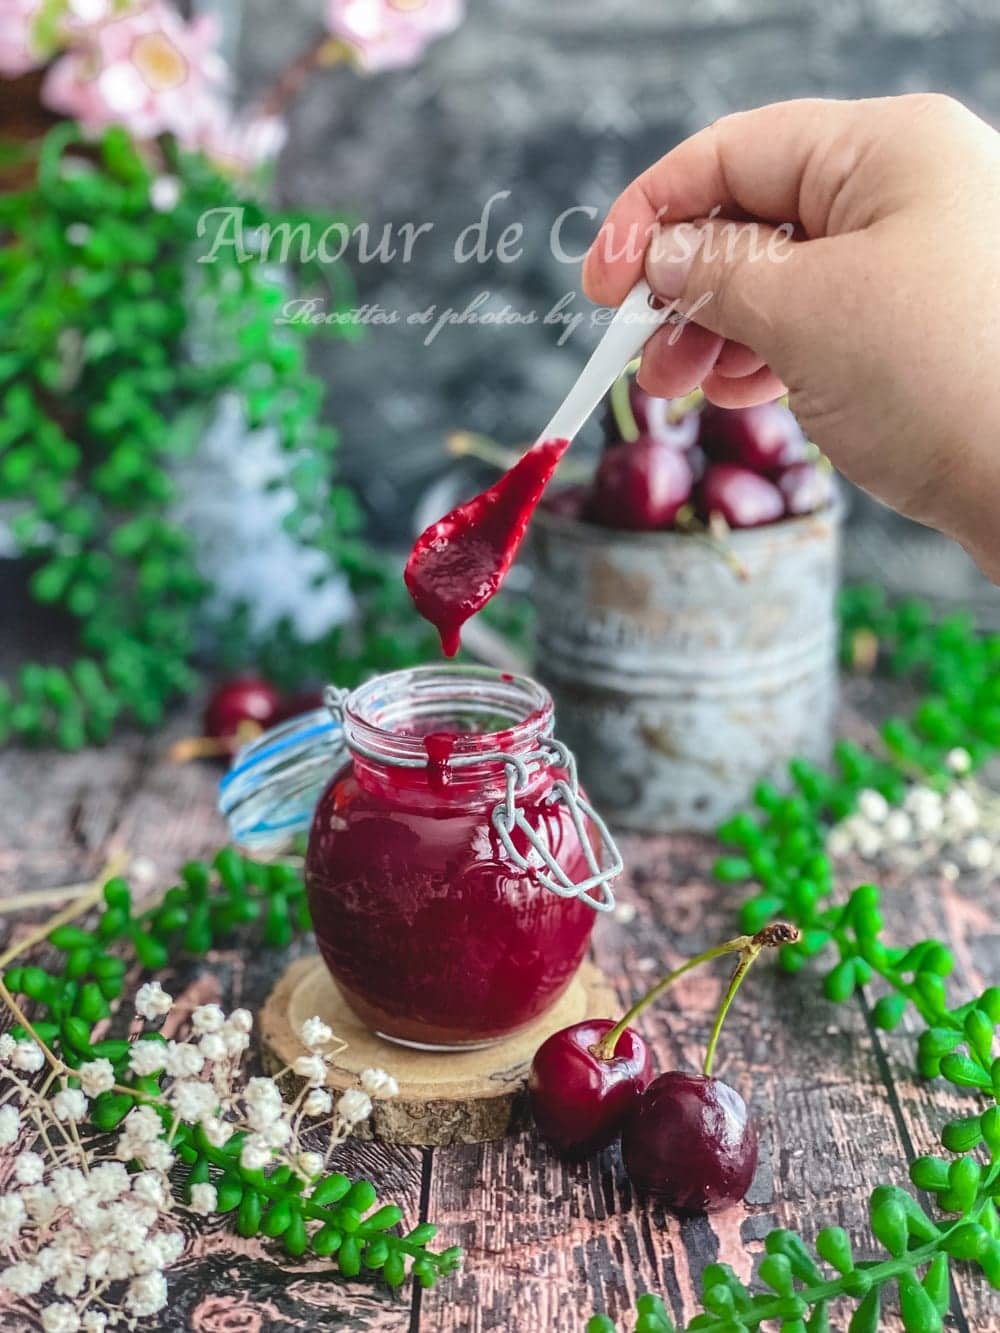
(547, 1244)
(550, 1243)
(58, 816)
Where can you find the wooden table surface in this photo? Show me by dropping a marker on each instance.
(547, 1244)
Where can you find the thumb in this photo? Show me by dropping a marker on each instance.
(741, 280)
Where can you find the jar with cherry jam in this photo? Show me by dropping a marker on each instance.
(453, 864)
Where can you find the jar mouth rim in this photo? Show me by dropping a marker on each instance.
(393, 714)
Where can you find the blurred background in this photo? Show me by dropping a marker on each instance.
(185, 478)
(561, 105)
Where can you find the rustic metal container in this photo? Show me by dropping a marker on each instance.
(677, 684)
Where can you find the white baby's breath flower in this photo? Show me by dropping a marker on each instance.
(277, 1133)
(192, 1099)
(312, 1069)
(27, 1056)
(152, 1001)
(978, 853)
(959, 760)
(216, 1131)
(10, 1125)
(204, 1199)
(962, 809)
(240, 1020)
(147, 1057)
(898, 826)
(41, 1203)
(70, 1279)
(68, 1184)
(208, 1018)
(377, 1083)
(353, 1106)
(7, 1047)
(147, 1294)
(157, 1156)
(318, 1102)
(96, 1076)
(309, 1164)
(868, 841)
(29, 1168)
(838, 842)
(143, 1124)
(70, 1104)
(108, 1181)
(255, 1154)
(94, 1321)
(213, 1046)
(315, 1033)
(13, 1215)
(166, 1248)
(23, 1279)
(263, 1102)
(148, 1188)
(236, 1042)
(60, 1318)
(183, 1059)
(873, 805)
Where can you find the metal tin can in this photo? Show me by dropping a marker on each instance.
(678, 683)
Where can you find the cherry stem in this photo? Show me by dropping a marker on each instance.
(467, 444)
(680, 407)
(714, 537)
(605, 1048)
(621, 407)
(771, 937)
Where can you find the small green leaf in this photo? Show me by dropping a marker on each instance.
(834, 1245)
(916, 1308)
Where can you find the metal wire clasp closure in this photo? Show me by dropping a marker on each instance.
(507, 816)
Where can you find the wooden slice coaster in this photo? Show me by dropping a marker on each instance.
(452, 1097)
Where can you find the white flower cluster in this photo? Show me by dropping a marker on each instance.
(955, 825)
(95, 1227)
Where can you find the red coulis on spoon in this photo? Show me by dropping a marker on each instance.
(458, 563)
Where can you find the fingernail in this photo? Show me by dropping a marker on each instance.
(670, 256)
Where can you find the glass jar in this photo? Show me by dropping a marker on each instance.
(453, 866)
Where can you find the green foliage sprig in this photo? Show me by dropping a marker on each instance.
(207, 905)
(780, 847)
(102, 388)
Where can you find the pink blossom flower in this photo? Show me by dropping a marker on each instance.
(388, 34)
(239, 144)
(19, 51)
(147, 70)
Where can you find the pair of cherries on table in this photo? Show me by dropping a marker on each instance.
(668, 462)
(688, 1140)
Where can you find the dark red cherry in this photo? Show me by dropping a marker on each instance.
(579, 1100)
(689, 1141)
(743, 498)
(241, 707)
(567, 501)
(657, 417)
(806, 487)
(765, 438)
(640, 486)
(294, 705)
(697, 461)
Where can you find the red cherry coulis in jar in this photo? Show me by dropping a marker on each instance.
(433, 935)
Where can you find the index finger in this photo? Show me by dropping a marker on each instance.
(759, 164)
